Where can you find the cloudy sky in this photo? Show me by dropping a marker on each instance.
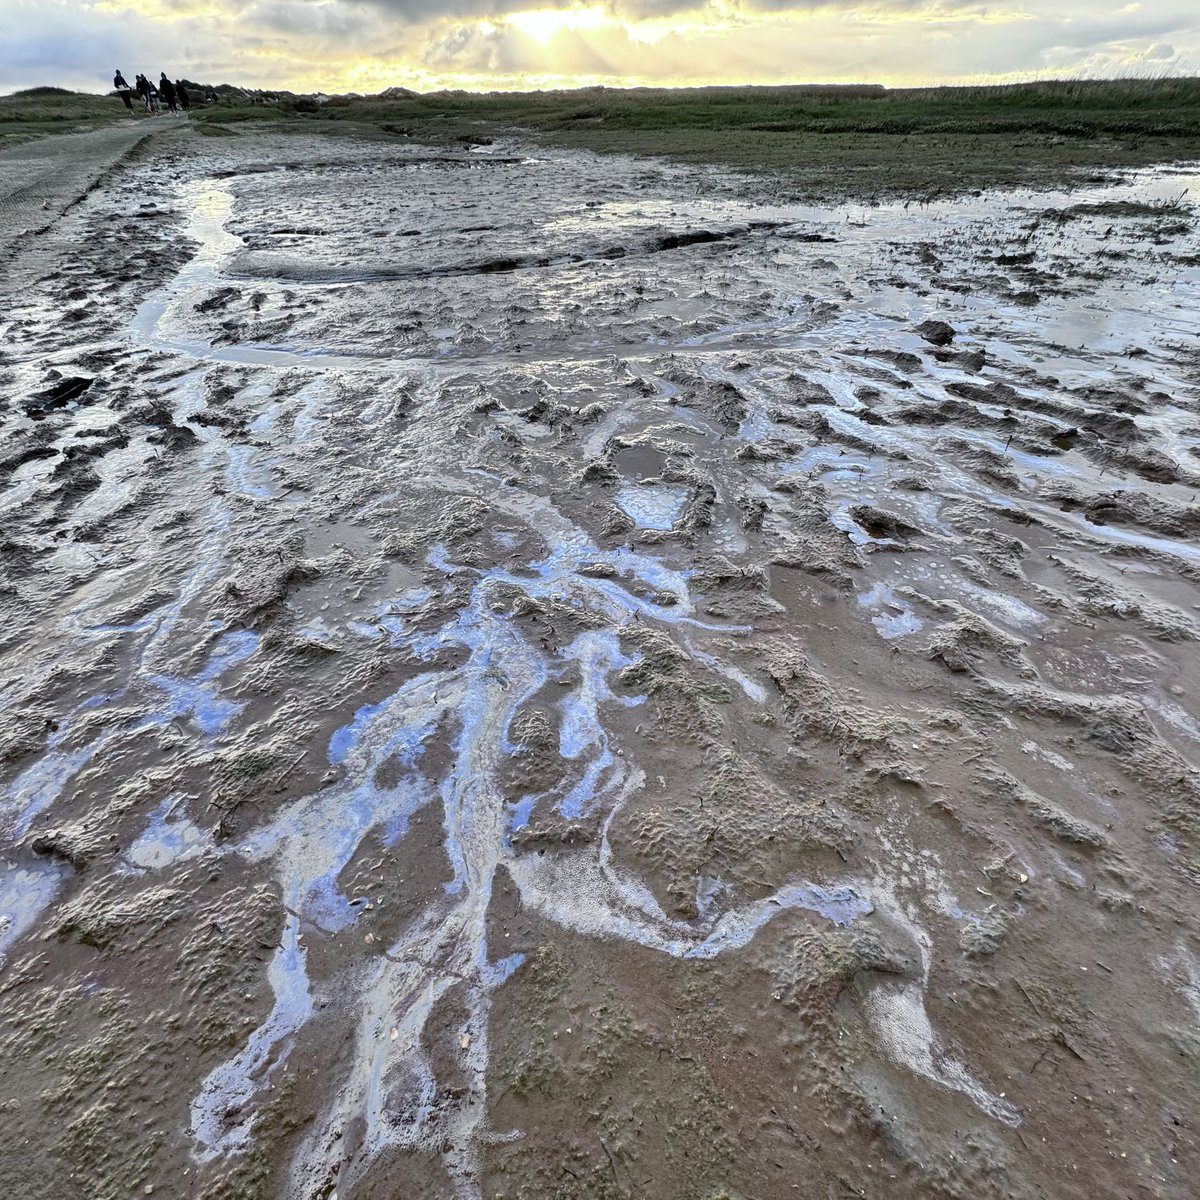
(365, 45)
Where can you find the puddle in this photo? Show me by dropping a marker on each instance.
(652, 507)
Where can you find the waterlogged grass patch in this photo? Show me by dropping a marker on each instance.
(1131, 208)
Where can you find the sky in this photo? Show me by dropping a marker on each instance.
(481, 45)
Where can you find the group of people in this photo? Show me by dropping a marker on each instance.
(173, 95)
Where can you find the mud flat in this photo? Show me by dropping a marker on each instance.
(531, 675)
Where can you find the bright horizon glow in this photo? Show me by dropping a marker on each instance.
(544, 25)
(492, 45)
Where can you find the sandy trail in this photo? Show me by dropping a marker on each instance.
(534, 675)
(39, 180)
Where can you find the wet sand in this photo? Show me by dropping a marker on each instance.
(532, 675)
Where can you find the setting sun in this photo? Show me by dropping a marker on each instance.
(544, 25)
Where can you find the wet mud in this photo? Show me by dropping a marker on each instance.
(527, 675)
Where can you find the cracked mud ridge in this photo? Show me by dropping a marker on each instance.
(554, 676)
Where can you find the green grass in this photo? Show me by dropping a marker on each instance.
(857, 140)
(39, 111)
(1161, 108)
(838, 141)
(240, 114)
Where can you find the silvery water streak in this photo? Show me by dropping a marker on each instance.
(391, 1086)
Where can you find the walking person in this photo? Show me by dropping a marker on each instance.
(185, 101)
(143, 90)
(152, 92)
(123, 89)
(166, 89)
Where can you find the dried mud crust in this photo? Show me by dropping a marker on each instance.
(714, 720)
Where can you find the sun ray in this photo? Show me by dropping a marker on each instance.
(544, 25)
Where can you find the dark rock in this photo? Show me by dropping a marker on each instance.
(936, 333)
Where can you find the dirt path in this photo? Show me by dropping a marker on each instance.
(40, 180)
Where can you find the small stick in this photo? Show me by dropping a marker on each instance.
(612, 1166)
(1021, 989)
(1061, 1038)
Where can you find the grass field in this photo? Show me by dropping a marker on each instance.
(40, 111)
(846, 140)
(850, 140)
(1165, 107)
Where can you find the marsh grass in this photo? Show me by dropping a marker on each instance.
(1158, 107)
(861, 140)
(39, 111)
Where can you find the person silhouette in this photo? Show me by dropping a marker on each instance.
(123, 89)
(166, 89)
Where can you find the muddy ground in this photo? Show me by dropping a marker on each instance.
(533, 675)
